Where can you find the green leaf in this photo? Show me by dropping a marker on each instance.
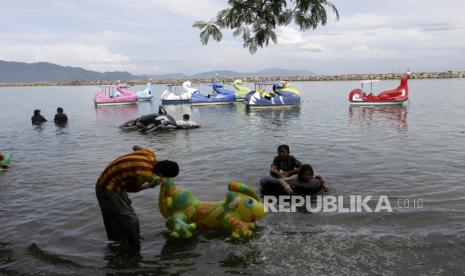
(257, 20)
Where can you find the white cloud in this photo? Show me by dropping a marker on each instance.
(365, 20)
(96, 57)
(203, 9)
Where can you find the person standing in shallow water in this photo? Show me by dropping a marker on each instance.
(60, 117)
(38, 119)
(132, 172)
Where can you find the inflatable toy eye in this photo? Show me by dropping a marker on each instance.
(249, 203)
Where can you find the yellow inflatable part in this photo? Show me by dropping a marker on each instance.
(289, 89)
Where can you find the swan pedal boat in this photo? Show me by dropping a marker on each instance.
(241, 90)
(172, 96)
(111, 95)
(146, 94)
(219, 95)
(388, 97)
(281, 96)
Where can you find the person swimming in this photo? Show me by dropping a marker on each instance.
(38, 119)
(303, 182)
(186, 122)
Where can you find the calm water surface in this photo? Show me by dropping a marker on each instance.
(51, 223)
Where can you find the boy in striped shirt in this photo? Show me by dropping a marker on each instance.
(132, 172)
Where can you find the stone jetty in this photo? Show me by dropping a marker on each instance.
(343, 77)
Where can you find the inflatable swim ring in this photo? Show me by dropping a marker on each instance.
(6, 160)
(271, 186)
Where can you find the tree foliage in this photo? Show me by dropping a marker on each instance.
(255, 21)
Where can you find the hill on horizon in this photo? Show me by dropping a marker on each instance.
(11, 71)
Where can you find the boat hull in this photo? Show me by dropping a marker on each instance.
(168, 102)
(145, 99)
(114, 103)
(212, 103)
(273, 106)
(283, 100)
(220, 98)
(399, 102)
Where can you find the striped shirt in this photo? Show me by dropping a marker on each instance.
(129, 171)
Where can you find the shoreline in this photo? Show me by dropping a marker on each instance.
(342, 77)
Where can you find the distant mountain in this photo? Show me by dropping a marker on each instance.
(271, 72)
(167, 76)
(11, 71)
(43, 71)
(276, 72)
(221, 73)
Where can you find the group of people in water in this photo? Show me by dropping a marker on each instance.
(139, 170)
(60, 117)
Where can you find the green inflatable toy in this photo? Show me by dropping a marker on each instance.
(184, 213)
(6, 160)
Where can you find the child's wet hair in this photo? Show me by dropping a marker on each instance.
(284, 147)
(166, 168)
(186, 116)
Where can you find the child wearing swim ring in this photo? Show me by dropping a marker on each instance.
(304, 182)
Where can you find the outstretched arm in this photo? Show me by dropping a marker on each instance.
(286, 186)
(132, 188)
(324, 183)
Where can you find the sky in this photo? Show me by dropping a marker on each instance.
(156, 37)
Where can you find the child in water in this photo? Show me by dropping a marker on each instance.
(304, 182)
(186, 122)
(284, 165)
(2, 165)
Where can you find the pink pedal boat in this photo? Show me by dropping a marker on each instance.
(111, 95)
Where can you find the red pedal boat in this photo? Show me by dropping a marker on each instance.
(396, 96)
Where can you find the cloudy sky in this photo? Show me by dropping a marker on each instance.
(156, 37)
